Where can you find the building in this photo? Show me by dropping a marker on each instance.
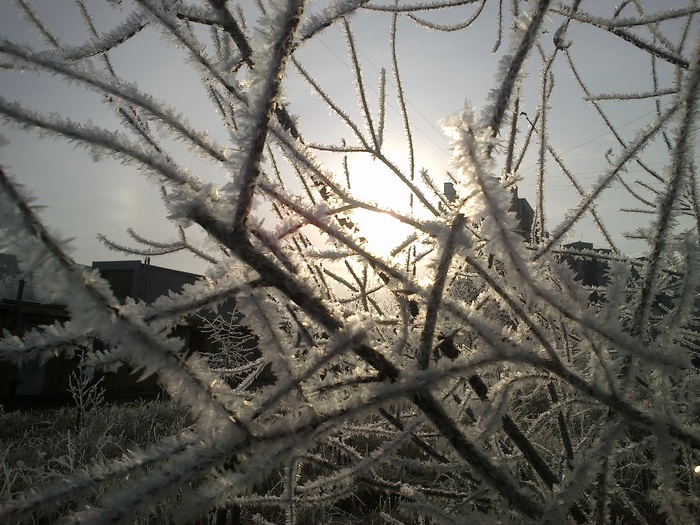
(524, 213)
(141, 280)
(590, 265)
(8, 264)
(19, 314)
(33, 379)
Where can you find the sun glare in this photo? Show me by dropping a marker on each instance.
(383, 232)
(373, 182)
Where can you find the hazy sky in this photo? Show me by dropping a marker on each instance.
(439, 72)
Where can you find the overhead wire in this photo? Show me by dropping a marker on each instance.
(439, 131)
(602, 135)
(394, 108)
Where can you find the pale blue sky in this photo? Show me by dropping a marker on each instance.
(439, 71)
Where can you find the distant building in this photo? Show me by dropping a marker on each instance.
(449, 191)
(33, 378)
(135, 279)
(590, 266)
(524, 213)
(141, 280)
(8, 264)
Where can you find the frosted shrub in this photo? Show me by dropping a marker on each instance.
(463, 374)
(87, 394)
(43, 447)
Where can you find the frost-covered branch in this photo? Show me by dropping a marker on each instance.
(475, 366)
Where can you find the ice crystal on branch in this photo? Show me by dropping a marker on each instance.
(476, 367)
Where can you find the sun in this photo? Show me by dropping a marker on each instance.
(372, 182)
(382, 232)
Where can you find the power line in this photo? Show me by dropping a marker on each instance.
(413, 125)
(597, 138)
(608, 132)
